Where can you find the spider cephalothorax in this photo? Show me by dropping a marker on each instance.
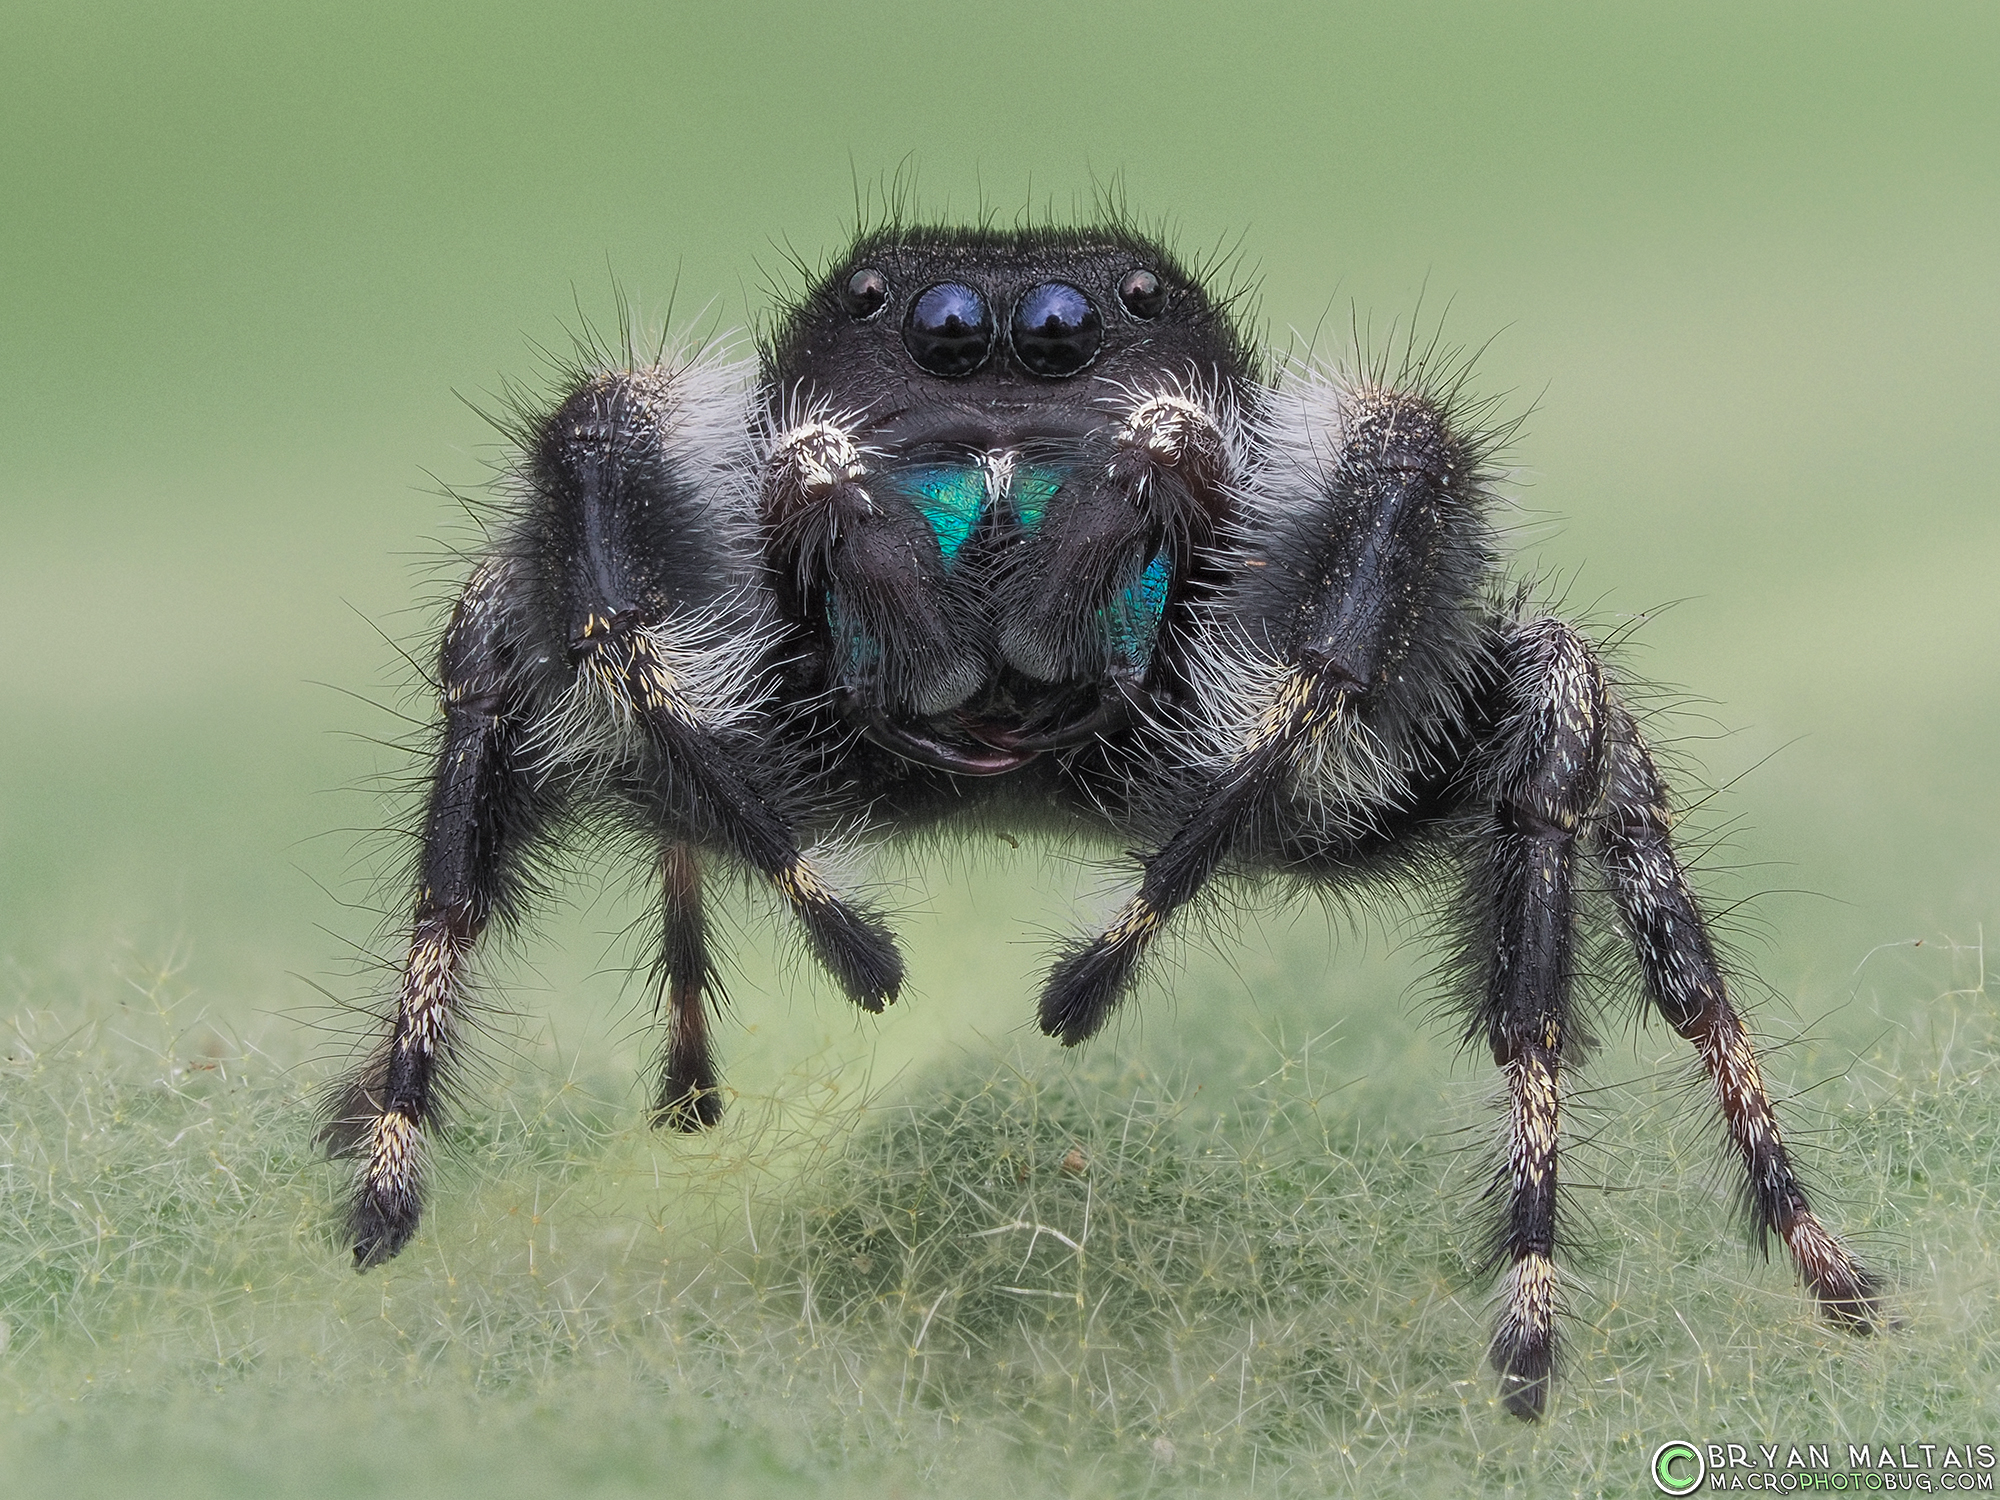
(992, 478)
(1015, 521)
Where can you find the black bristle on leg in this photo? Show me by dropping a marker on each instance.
(349, 1108)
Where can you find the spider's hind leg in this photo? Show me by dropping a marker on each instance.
(690, 1096)
(1522, 889)
(1685, 983)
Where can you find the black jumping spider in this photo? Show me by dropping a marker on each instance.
(1016, 525)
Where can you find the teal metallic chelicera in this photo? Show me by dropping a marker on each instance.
(951, 497)
(954, 497)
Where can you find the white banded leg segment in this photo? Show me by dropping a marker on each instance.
(388, 1195)
(1526, 882)
(1686, 985)
(1524, 1337)
(1845, 1291)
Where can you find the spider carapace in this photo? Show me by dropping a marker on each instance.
(1017, 525)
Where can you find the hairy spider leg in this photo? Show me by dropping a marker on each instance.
(690, 1096)
(603, 480)
(1522, 885)
(1087, 981)
(484, 811)
(852, 944)
(1363, 525)
(1686, 985)
(639, 538)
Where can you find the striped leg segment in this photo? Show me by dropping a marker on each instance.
(1524, 1338)
(1686, 984)
(483, 811)
(388, 1193)
(690, 1087)
(1524, 889)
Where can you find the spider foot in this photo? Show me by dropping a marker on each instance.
(1524, 1343)
(855, 946)
(1087, 981)
(388, 1200)
(1849, 1297)
(689, 1108)
(690, 1096)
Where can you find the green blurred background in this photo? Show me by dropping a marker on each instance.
(1739, 261)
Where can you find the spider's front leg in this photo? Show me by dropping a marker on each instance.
(1362, 526)
(639, 523)
(613, 648)
(1521, 889)
(1685, 983)
(485, 809)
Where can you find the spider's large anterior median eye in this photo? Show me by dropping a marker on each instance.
(949, 330)
(866, 293)
(1143, 295)
(1056, 329)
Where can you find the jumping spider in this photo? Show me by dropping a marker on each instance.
(1018, 526)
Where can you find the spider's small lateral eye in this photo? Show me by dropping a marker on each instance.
(1143, 295)
(1056, 329)
(866, 294)
(949, 330)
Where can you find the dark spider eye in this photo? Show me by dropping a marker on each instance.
(867, 292)
(1055, 329)
(1142, 294)
(949, 330)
